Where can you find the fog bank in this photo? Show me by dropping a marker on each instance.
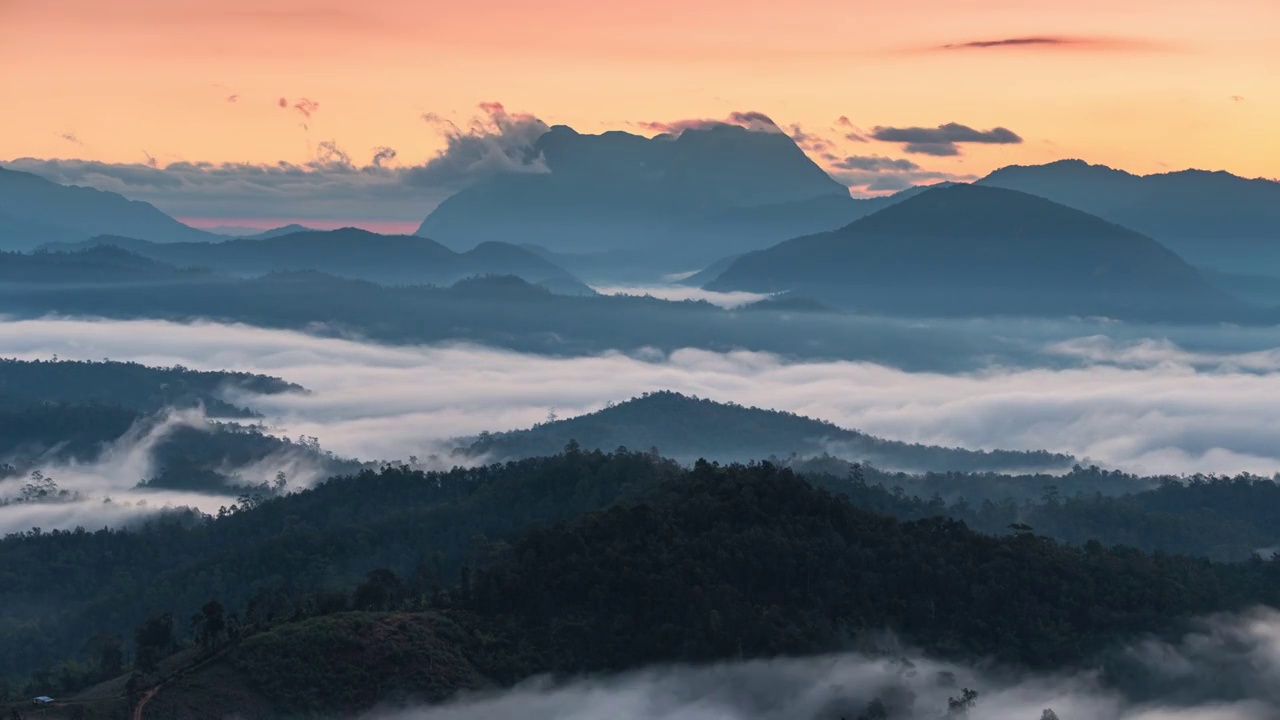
(1146, 405)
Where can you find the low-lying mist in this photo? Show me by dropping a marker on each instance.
(1144, 405)
(62, 493)
(1225, 669)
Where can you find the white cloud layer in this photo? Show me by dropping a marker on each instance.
(1245, 647)
(1146, 406)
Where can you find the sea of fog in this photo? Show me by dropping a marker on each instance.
(1144, 399)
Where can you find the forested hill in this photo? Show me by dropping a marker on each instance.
(302, 554)
(710, 563)
(130, 385)
(688, 428)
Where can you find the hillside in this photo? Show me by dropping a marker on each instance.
(102, 264)
(35, 211)
(1212, 218)
(687, 428)
(353, 253)
(726, 563)
(979, 250)
(674, 195)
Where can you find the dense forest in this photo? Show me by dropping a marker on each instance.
(556, 551)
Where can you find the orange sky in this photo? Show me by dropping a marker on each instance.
(1146, 85)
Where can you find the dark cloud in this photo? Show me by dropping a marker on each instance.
(934, 149)
(282, 103)
(328, 153)
(875, 163)
(383, 154)
(944, 140)
(71, 138)
(1052, 42)
(151, 160)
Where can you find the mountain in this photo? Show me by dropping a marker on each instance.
(354, 253)
(399, 587)
(35, 211)
(282, 230)
(1211, 218)
(688, 428)
(664, 199)
(971, 249)
(102, 264)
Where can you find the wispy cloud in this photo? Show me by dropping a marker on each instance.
(1053, 42)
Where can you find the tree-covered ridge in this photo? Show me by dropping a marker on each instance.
(688, 428)
(754, 562)
(714, 563)
(290, 553)
(129, 385)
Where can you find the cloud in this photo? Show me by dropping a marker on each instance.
(71, 138)
(1057, 42)
(678, 293)
(876, 174)
(332, 186)
(908, 686)
(750, 119)
(382, 154)
(811, 143)
(498, 142)
(851, 132)
(306, 107)
(1237, 98)
(232, 98)
(1145, 405)
(875, 163)
(328, 153)
(321, 189)
(943, 140)
(282, 103)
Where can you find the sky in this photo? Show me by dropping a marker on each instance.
(1144, 85)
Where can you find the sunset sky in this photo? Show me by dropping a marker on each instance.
(1144, 85)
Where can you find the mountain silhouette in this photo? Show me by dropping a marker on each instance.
(971, 250)
(665, 198)
(1210, 218)
(95, 265)
(35, 211)
(688, 428)
(354, 253)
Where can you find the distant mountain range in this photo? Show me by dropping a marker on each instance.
(1211, 218)
(35, 211)
(688, 428)
(351, 253)
(970, 249)
(667, 198)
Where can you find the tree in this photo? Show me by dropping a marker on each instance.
(960, 707)
(1048, 714)
(381, 590)
(154, 640)
(210, 623)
